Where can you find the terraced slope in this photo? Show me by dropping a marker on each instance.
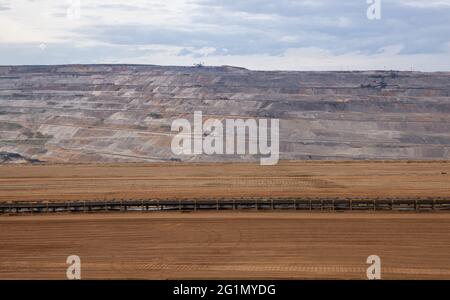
(112, 113)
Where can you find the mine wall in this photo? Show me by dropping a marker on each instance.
(123, 113)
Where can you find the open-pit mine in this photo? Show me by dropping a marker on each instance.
(86, 169)
(123, 113)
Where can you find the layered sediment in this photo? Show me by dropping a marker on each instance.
(123, 113)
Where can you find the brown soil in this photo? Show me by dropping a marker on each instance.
(136, 181)
(226, 245)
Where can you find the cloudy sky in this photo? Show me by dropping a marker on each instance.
(256, 34)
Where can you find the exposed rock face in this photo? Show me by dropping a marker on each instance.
(14, 158)
(103, 113)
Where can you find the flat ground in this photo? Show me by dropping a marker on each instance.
(180, 180)
(226, 245)
(219, 244)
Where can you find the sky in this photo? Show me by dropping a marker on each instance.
(255, 34)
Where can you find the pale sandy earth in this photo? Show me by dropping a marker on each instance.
(226, 245)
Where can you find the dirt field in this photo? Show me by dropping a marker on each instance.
(226, 245)
(136, 181)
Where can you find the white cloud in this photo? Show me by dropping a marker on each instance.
(425, 4)
(258, 34)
